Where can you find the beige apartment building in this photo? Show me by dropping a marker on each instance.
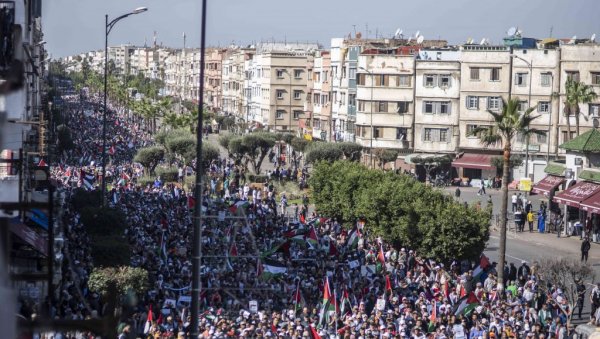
(385, 95)
(234, 77)
(213, 70)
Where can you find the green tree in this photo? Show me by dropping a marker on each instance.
(430, 163)
(577, 93)
(65, 141)
(351, 150)
(127, 279)
(323, 151)
(257, 147)
(507, 125)
(149, 157)
(299, 145)
(384, 156)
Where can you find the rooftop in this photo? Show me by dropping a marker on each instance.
(586, 142)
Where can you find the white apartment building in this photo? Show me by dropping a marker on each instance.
(234, 80)
(320, 96)
(385, 96)
(437, 101)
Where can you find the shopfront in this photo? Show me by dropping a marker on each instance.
(572, 199)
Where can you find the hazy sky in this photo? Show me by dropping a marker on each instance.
(74, 26)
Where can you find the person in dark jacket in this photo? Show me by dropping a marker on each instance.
(512, 272)
(585, 249)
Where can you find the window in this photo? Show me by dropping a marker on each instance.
(317, 99)
(382, 80)
(297, 73)
(546, 79)
(543, 107)
(573, 75)
(436, 107)
(279, 94)
(351, 99)
(403, 81)
(297, 94)
(471, 129)
(522, 106)
(474, 73)
(427, 134)
(444, 81)
(521, 79)
(565, 136)
(493, 103)
(280, 74)
(495, 74)
(361, 105)
(361, 79)
(382, 107)
(280, 114)
(352, 73)
(297, 114)
(594, 110)
(377, 132)
(429, 80)
(401, 133)
(317, 76)
(472, 102)
(542, 139)
(402, 107)
(443, 135)
(595, 78)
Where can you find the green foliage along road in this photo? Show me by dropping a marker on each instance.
(400, 209)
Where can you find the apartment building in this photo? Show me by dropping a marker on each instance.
(121, 57)
(234, 81)
(385, 96)
(320, 96)
(437, 101)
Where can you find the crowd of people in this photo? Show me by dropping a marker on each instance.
(266, 272)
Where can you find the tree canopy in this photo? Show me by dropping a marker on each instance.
(400, 210)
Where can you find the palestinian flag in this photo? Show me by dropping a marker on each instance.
(433, 315)
(233, 208)
(388, 283)
(345, 302)
(381, 256)
(271, 269)
(233, 250)
(314, 333)
(311, 238)
(332, 249)
(462, 292)
(112, 150)
(283, 247)
(317, 221)
(297, 234)
(353, 238)
(328, 304)
(302, 219)
(42, 163)
(484, 263)
(191, 203)
(297, 298)
(148, 322)
(466, 304)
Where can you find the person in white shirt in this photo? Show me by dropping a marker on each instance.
(513, 199)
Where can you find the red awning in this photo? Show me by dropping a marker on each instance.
(547, 185)
(576, 194)
(592, 204)
(476, 161)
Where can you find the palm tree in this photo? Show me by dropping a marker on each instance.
(577, 93)
(508, 125)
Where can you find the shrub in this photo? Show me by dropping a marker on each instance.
(124, 278)
(110, 251)
(167, 174)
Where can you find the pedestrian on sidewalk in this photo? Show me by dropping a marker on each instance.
(481, 187)
(580, 296)
(585, 249)
(530, 220)
(457, 193)
(513, 199)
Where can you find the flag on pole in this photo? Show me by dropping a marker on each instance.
(272, 269)
(381, 256)
(314, 333)
(462, 292)
(466, 304)
(353, 238)
(87, 180)
(312, 239)
(433, 315)
(484, 263)
(148, 322)
(328, 303)
(233, 208)
(297, 298)
(345, 302)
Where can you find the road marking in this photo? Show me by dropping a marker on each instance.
(508, 255)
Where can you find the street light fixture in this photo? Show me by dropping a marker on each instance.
(107, 28)
(371, 109)
(530, 66)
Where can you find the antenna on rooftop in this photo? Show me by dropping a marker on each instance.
(519, 32)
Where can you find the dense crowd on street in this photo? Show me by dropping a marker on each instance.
(269, 272)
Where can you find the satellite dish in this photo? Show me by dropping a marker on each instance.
(511, 31)
(596, 122)
(469, 41)
(398, 33)
(420, 39)
(417, 34)
(519, 32)
(482, 42)
(573, 39)
(593, 38)
(409, 39)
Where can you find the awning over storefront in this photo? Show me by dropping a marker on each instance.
(29, 236)
(592, 204)
(547, 185)
(577, 193)
(476, 161)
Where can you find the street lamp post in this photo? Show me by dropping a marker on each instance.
(371, 109)
(530, 66)
(107, 28)
(550, 119)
